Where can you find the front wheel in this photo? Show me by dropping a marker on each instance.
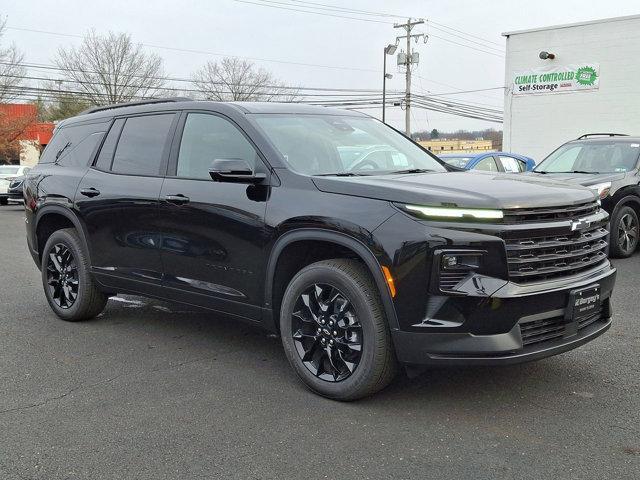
(334, 330)
(624, 232)
(68, 285)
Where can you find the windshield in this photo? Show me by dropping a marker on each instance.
(334, 144)
(460, 162)
(596, 157)
(8, 170)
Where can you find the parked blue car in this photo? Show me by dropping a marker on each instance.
(490, 161)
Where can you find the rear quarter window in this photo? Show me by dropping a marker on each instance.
(74, 145)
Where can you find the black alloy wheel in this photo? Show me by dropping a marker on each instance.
(62, 276)
(334, 330)
(66, 278)
(628, 233)
(625, 230)
(327, 333)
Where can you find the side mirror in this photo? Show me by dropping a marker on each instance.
(234, 170)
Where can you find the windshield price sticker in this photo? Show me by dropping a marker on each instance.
(557, 79)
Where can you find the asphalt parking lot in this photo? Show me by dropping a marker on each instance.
(153, 390)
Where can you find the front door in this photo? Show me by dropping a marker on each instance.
(213, 232)
(118, 201)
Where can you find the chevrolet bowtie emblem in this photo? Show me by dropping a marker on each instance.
(580, 224)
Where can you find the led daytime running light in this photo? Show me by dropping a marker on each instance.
(445, 212)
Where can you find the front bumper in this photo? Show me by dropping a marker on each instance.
(516, 324)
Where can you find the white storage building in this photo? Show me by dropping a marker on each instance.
(591, 86)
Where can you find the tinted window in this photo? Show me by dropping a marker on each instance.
(108, 147)
(54, 147)
(487, 164)
(206, 138)
(141, 145)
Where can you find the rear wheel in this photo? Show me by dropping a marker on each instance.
(334, 330)
(624, 232)
(66, 278)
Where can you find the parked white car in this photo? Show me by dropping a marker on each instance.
(7, 174)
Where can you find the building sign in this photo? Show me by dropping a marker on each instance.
(557, 79)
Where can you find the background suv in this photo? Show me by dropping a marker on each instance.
(9, 174)
(359, 263)
(609, 164)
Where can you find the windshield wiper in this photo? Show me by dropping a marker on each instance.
(570, 171)
(340, 174)
(412, 170)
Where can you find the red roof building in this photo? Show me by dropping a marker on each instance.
(40, 132)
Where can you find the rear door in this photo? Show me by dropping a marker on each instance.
(214, 234)
(118, 201)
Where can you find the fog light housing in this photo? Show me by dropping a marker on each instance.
(461, 261)
(454, 266)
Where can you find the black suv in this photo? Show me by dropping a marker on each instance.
(609, 164)
(259, 211)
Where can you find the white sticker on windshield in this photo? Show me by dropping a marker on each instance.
(635, 145)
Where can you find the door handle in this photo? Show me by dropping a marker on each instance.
(177, 199)
(90, 192)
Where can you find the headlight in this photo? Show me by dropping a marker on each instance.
(454, 212)
(603, 189)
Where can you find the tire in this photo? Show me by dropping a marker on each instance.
(361, 319)
(4, 201)
(70, 265)
(624, 232)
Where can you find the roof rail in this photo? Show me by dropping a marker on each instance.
(135, 104)
(588, 135)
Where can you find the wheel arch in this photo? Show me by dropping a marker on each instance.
(343, 241)
(55, 217)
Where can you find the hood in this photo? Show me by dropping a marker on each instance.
(585, 179)
(461, 189)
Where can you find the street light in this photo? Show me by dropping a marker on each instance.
(388, 50)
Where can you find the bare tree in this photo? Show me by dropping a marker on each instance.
(111, 69)
(233, 79)
(12, 70)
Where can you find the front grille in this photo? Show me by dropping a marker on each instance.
(539, 254)
(524, 215)
(542, 258)
(537, 331)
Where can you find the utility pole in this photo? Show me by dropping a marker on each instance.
(408, 59)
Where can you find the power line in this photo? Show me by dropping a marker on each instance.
(308, 11)
(390, 15)
(204, 52)
(279, 5)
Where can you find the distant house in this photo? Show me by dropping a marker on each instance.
(32, 136)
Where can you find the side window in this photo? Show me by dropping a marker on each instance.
(55, 146)
(511, 165)
(109, 146)
(206, 138)
(487, 164)
(142, 144)
(83, 153)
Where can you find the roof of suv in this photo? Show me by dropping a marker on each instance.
(607, 139)
(160, 105)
